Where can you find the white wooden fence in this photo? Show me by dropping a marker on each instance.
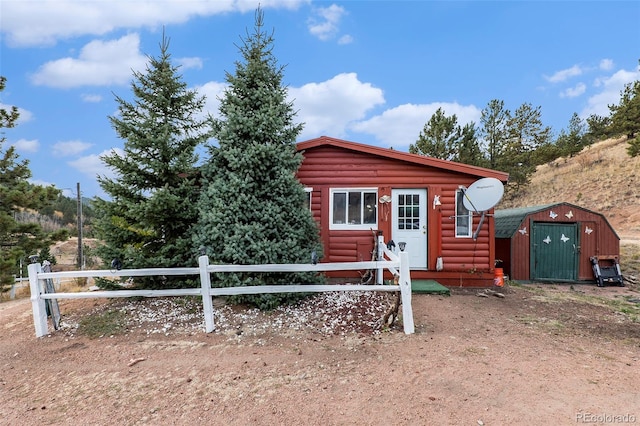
(398, 264)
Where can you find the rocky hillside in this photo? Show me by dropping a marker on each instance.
(602, 178)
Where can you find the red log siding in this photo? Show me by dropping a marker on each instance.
(602, 240)
(467, 262)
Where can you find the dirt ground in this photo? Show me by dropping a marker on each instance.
(555, 355)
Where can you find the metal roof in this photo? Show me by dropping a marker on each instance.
(508, 221)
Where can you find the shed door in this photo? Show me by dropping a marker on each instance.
(409, 208)
(554, 251)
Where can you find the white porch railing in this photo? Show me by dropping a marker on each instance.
(397, 264)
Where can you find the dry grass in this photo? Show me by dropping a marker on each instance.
(602, 178)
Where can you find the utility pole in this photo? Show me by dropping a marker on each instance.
(80, 255)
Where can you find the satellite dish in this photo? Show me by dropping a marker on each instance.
(483, 194)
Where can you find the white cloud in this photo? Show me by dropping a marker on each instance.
(44, 22)
(329, 107)
(186, 63)
(575, 91)
(610, 89)
(606, 64)
(40, 182)
(68, 148)
(565, 74)
(86, 97)
(345, 39)
(24, 115)
(24, 145)
(325, 27)
(92, 165)
(400, 126)
(213, 91)
(98, 64)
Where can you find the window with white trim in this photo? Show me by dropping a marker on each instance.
(463, 216)
(353, 208)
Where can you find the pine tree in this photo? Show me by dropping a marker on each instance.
(625, 117)
(252, 205)
(18, 240)
(572, 140)
(468, 149)
(494, 120)
(439, 137)
(526, 134)
(153, 206)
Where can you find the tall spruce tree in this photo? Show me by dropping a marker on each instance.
(153, 206)
(18, 239)
(252, 207)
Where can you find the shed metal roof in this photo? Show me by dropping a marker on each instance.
(508, 221)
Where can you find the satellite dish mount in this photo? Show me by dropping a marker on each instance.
(481, 196)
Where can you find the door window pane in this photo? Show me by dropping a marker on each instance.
(408, 211)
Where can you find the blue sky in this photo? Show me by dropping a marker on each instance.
(367, 71)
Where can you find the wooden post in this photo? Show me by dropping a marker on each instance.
(380, 256)
(207, 303)
(37, 303)
(405, 290)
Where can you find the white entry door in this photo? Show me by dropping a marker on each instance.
(409, 217)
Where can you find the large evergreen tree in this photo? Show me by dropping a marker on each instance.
(598, 128)
(468, 149)
(494, 120)
(18, 240)
(625, 117)
(252, 207)
(526, 133)
(153, 196)
(439, 137)
(572, 140)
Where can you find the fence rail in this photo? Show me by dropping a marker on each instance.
(398, 264)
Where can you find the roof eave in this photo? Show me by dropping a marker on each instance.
(403, 156)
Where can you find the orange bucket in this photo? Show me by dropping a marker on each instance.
(498, 277)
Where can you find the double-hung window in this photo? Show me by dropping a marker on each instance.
(463, 216)
(353, 208)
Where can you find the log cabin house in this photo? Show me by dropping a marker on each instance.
(357, 190)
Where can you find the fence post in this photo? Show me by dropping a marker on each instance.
(37, 302)
(380, 256)
(405, 290)
(205, 282)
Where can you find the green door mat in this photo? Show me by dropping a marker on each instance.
(429, 287)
